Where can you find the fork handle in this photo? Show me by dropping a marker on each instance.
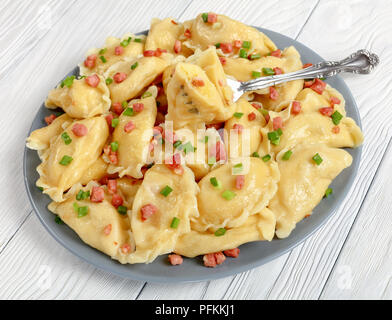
(362, 62)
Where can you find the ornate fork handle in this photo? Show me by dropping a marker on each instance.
(361, 61)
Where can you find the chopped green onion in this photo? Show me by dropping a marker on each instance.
(238, 115)
(102, 51)
(114, 146)
(175, 222)
(255, 56)
(115, 122)
(82, 211)
(217, 45)
(122, 210)
(246, 44)
(268, 71)
(228, 195)
(264, 112)
(68, 81)
(287, 155)
(204, 16)
(146, 94)
(137, 40)
(206, 139)
(82, 77)
(328, 192)
(237, 168)
(66, 160)
(66, 138)
(276, 142)
(220, 232)
(40, 188)
(279, 131)
(58, 220)
(243, 53)
(188, 148)
(82, 195)
(266, 158)
(215, 182)
(134, 66)
(255, 154)
(103, 59)
(211, 161)
(316, 158)
(128, 112)
(256, 74)
(177, 144)
(109, 81)
(336, 117)
(75, 206)
(124, 104)
(273, 135)
(166, 191)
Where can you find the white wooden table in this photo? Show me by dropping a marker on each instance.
(350, 257)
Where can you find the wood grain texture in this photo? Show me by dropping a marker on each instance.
(363, 270)
(43, 40)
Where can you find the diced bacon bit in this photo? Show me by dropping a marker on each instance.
(129, 127)
(50, 119)
(238, 44)
(97, 194)
(158, 52)
(277, 123)
(109, 119)
(326, 111)
(295, 107)
(307, 65)
(125, 248)
(318, 86)
(278, 70)
(213, 259)
(117, 108)
(220, 152)
(92, 81)
(212, 17)
(119, 77)
(117, 200)
(307, 216)
(334, 100)
(277, 53)
(113, 157)
(157, 130)
(238, 127)
(239, 182)
(174, 22)
(273, 93)
(177, 46)
(223, 60)
(267, 117)
(233, 253)
(188, 33)
(173, 162)
(79, 129)
(147, 211)
(149, 53)
(217, 126)
(175, 259)
(106, 149)
(169, 136)
(256, 105)
(308, 84)
(197, 82)
(251, 116)
(107, 229)
(112, 186)
(336, 129)
(118, 51)
(106, 178)
(138, 107)
(226, 47)
(90, 61)
(115, 243)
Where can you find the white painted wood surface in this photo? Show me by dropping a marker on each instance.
(350, 257)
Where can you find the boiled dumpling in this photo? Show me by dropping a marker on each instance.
(303, 183)
(95, 172)
(80, 100)
(174, 198)
(70, 156)
(225, 203)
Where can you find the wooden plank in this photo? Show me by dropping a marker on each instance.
(363, 270)
(23, 88)
(287, 17)
(349, 29)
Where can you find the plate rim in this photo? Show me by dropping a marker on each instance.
(235, 269)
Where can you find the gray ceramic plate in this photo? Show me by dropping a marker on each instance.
(252, 254)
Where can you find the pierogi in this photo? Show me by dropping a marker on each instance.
(152, 155)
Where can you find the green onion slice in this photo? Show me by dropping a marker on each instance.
(134, 66)
(66, 138)
(268, 71)
(220, 232)
(256, 74)
(122, 210)
(128, 112)
(166, 191)
(266, 158)
(316, 158)
(238, 115)
(336, 117)
(287, 155)
(215, 182)
(114, 146)
(175, 222)
(115, 122)
(243, 53)
(328, 192)
(66, 160)
(246, 44)
(228, 194)
(204, 16)
(255, 154)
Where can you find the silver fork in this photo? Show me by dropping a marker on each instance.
(362, 62)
